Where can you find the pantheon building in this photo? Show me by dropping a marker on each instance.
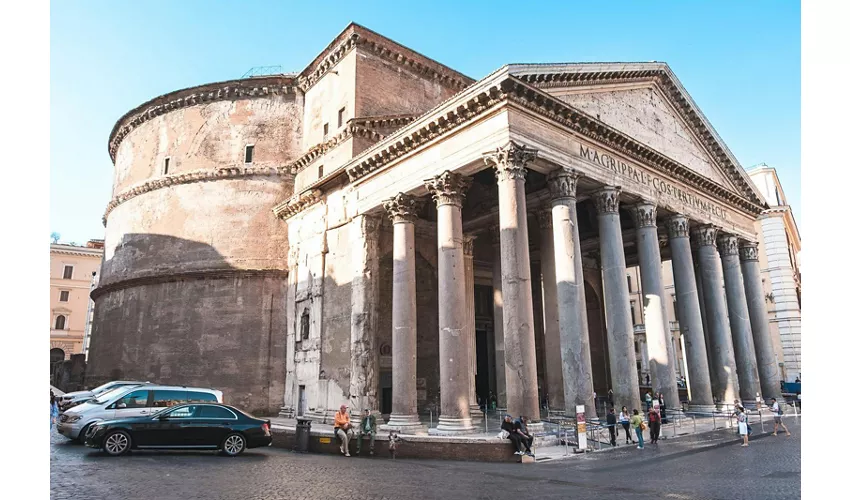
(383, 231)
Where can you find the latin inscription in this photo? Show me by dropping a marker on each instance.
(656, 183)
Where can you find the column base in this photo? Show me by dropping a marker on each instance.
(448, 426)
(476, 414)
(749, 404)
(404, 424)
(695, 408)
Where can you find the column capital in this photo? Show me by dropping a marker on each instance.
(677, 226)
(562, 183)
(727, 244)
(448, 188)
(644, 213)
(544, 216)
(510, 160)
(401, 208)
(607, 200)
(467, 245)
(748, 250)
(706, 235)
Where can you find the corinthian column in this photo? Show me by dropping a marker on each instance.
(765, 352)
(621, 335)
(724, 383)
(405, 414)
(690, 316)
(739, 321)
(575, 369)
(448, 190)
(498, 325)
(468, 272)
(662, 356)
(551, 329)
(518, 319)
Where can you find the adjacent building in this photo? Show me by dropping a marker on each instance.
(73, 271)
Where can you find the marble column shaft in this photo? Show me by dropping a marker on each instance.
(551, 327)
(621, 336)
(659, 342)
(469, 275)
(724, 382)
(448, 190)
(363, 383)
(768, 367)
(405, 413)
(498, 325)
(739, 320)
(690, 312)
(520, 358)
(576, 370)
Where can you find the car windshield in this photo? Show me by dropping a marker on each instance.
(103, 388)
(104, 397)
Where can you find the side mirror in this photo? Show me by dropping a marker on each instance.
(121, 405)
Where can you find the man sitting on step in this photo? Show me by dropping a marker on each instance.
(367, 428)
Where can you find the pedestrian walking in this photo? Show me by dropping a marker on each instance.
(611, 422)
(647, 398)
(639, 426)
(625, 422)
(654, 425)
(777, 417)
(54, 409)
(743, 425)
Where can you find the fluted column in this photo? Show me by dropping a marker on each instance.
(690, 314)
(724, 382)
(621, 336)
(474, 411)
(768, 366)
(405, 414)
(498, 325)
(520, 359)
(739, 321)
(576, 370)
(659, 344)
(448, 190)
(551, 328)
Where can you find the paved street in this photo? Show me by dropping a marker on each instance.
(693, 467)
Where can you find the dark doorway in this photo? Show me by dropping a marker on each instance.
(485, 350)
(387, 400)
(598, 341)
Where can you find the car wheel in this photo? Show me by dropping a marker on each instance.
(233, 444)
(117, 443)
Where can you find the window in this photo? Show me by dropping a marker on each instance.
(200, 397)
(305, 325)
(341, 118)
(64, 295)
(208, 411)
(629, 282)
(164, 399)
(184, 412)
(60, 322)
(675, 310)
(68, 273)
(249, 153)
(165, 165)
(321, 171)
(325, 133)
(136, 399)
(633, 312)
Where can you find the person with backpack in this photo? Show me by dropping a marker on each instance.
(654, 425)
(777, 417)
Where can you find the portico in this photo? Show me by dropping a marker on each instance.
(535, 165)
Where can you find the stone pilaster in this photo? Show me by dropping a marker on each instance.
(724, 382)
(363, 389)
(498, 325)
(662, 356)
(576, 371)
(621, 336)
(448, 190)
(520, 358)
(405, 413)
(690, 314)
(768, 367)
(739, 321)
(474, 411)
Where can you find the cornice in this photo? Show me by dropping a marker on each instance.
(98, 253)
(188, 275)
(662, 79)
(192, 177)
(297, 203)
(245, 88)
(351, 129)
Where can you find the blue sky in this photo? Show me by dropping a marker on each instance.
(740, 61)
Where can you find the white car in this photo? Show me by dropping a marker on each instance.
(134, 401)
(71, 399)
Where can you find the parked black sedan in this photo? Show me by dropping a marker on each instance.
(192, 426)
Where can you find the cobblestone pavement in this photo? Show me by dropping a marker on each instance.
(706, 466)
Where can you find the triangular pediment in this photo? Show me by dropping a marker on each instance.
(646, 102)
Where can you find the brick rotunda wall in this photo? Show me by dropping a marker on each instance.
(192, 288)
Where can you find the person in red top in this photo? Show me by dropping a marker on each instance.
(654, 425)
(342, 429)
